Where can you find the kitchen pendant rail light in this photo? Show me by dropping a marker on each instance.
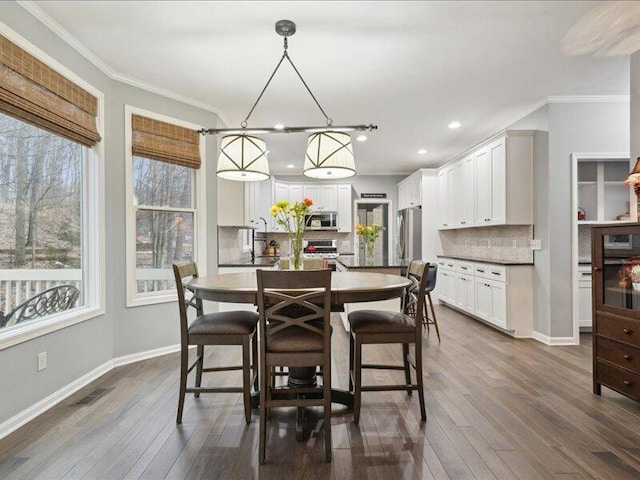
(243, 156)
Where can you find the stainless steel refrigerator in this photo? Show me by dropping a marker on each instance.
(410, 233)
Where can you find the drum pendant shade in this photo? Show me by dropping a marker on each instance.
(329, 155)
(243, 157)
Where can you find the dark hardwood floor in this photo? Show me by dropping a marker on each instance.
(496, 408)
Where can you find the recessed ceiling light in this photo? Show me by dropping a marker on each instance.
(454, 124)
(291, 165)
(422, 151)
(361, 138)
(278, 126)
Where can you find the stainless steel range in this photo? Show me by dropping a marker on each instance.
(320, 248)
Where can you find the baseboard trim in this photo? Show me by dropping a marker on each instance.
(138, 357)
(50, 401)
(553, 341)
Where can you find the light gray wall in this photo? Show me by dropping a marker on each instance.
(537, 120)
(635, 105)
(573, 128)
(77, 350)
(148, 327)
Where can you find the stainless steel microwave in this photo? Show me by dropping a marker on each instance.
(322, 221)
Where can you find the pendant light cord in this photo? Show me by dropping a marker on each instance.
(286, 55)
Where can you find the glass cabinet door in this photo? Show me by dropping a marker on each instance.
(620, 265)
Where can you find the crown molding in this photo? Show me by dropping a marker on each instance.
(589, 99)
(44, 18)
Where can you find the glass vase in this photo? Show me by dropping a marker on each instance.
(296, 252)
(370, 250)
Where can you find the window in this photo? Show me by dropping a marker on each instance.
(51, 218)
(166, 201)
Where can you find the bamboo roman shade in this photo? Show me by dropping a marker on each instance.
(35, 93)
(165, 142)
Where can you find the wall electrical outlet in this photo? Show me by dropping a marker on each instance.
(42, 361)
(536, 244)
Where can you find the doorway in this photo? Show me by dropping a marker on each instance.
(375, 210)
(597, 198)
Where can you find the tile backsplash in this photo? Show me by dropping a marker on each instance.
(504, 243)
(230, 243)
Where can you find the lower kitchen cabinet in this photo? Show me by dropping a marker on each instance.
(584, 296)
(499, 295)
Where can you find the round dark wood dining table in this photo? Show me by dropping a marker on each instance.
(346, 287)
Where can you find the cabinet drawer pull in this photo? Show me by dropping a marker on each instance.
(463, 268)
(481, 271)
(496, 273)
(627, 357)
(627, 331)
(627, 383)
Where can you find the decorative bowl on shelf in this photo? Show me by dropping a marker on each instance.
(636, 286)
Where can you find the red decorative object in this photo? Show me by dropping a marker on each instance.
(581, 214)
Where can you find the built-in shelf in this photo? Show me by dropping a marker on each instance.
(604, 222)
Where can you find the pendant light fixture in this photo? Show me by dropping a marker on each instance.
(243, 156)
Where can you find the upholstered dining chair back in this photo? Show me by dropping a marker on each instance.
(294, 330)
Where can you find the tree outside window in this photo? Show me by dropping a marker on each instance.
(41, 178)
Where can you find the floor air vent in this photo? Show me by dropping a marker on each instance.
(93, 396)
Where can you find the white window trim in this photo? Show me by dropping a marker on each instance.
(135, 299)
(93, 219)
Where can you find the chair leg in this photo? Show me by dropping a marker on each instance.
(254, 356)
(357, 374)
(326, 386)
(418, 355)
(184, 366)
(246, 377)
(351, 373)
(199, 368)
(433, 314)
(264, 381)
(407, 366)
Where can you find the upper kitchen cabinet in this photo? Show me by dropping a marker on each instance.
(491, 185)
(324, 196)
(602, 195)
(410, 191)
(258, 198)
(345, 208)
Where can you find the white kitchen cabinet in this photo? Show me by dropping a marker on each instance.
(465, 294)
(490, 197)
(325, 197)
(443, 199)
(312, 192)
(500, 192)
(584, 296)
(280, 191)
(410, 191)
(500, 295)
(296, 193)
(467, 191)
(345, 208)
(258, 198)
(328, 198)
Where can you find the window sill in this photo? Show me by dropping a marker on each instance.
(152, 299)
(35, 329)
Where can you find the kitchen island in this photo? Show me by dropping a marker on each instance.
(379, 264)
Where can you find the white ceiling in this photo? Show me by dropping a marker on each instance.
(408, 67)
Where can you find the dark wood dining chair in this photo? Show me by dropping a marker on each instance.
(295, 331)
(430, 285)
(221, 328)
(369, 327)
